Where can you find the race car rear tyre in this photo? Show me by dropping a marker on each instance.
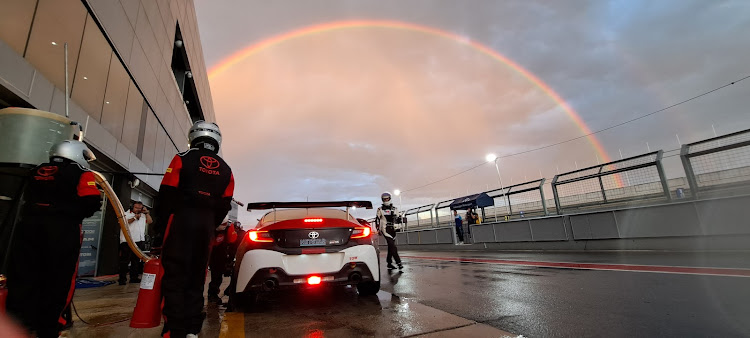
(368, 288)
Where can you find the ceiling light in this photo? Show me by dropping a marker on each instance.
(85, 78)
(54, 43)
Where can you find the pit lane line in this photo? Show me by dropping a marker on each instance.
(725, 272)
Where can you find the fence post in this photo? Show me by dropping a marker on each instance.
(510, 209)
(601, 185)
(662, 176)
(689, 174)
(554, 193)
(541, 193)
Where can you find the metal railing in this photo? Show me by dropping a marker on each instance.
(720, 164)
(635, 178)
(523, 199)
(717, 163)
(443, 214)
(416, 220)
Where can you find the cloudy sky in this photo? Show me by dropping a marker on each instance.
(350, 113)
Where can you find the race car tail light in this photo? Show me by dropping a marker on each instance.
(361, 232)
(313, 220)
(314, 280)
(260, 236)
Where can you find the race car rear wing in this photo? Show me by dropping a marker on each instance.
(306, 205)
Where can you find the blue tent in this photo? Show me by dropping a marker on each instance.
(472, 201)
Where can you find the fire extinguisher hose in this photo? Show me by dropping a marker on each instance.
(120, 212)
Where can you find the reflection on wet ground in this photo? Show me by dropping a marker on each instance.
(549, 301)
(319, 312)
(457, 299)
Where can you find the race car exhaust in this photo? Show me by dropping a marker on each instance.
(270, 284)
(355, 277)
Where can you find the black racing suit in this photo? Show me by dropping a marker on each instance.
(221, 255)
(387, 216)
(44, 258)
(193, 199)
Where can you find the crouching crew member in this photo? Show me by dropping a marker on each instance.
(221, 255)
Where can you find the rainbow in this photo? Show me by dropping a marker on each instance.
(249, 51)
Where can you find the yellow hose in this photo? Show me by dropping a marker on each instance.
(120, 212)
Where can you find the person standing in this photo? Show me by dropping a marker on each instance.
(459, 227)
(138, 217)
(194, 197)
(471, 218)
(386, 218)
(44, 259)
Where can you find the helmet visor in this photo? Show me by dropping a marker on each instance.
(88, 155)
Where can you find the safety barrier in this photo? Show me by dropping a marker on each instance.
(444, 235)
(413, 216)
(636, 178)
(719, 163)
(523, 199)
(708, 224)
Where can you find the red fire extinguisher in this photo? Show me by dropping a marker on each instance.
(147, 312)
(3, 294)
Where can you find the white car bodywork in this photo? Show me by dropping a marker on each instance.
(306, 264)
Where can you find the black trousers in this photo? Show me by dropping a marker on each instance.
(42, 272)
(392, 250)
(185, 253)
(217, 264)
(129, 261)
(460, 232)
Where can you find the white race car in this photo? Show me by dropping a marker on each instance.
(306, 245)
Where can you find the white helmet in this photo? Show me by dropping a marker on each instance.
(75, 151)
(203, 129)
(386, 198)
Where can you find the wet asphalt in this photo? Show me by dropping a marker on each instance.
(552, 302)
(437, 298)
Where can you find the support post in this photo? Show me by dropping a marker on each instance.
(541, 193)
(689, 173)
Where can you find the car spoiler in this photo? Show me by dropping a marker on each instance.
(305, 205)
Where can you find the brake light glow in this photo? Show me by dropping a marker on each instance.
(313, 220)
(361, 232)
(314, 280)
(260, 236)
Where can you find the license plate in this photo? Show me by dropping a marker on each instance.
(312, 242)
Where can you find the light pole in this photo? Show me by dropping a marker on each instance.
(494, 158)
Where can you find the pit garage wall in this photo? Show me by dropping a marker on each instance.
(715, 224)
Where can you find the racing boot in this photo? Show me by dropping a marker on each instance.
(391, 267)
(215, 299)
(400, 267)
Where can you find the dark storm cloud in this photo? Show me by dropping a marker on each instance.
(610, 61)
